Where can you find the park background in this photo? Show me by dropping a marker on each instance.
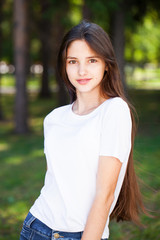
(30, 33)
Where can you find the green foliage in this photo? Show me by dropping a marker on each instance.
(23, 166)
(143, 44)
(75, 12)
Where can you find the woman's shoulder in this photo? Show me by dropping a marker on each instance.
(116, 108)
(116, 103)
(117, 111)
(57, 112)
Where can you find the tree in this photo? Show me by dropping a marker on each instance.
(1, 18)
(44, 27)
(86, 11)
(61, 23)
(57, 35)
(49, 20)
(21, 64)
(118, 38)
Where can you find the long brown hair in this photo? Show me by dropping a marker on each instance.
(129, 202)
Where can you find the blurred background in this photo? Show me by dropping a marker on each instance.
(30, 34)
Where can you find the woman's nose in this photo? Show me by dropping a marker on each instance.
(82, 70)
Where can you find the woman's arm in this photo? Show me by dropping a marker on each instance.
(107, 176)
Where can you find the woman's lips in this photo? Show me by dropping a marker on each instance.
(83, 81)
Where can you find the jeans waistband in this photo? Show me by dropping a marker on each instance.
(37, 225)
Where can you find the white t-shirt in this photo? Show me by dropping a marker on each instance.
(73, 144)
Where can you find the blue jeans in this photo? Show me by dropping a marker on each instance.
(34, 229)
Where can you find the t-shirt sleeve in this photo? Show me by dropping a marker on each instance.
(116, 131)
(44, 132)
(47, 122)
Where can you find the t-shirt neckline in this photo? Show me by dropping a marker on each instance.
(88, 114)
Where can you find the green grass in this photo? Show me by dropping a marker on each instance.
(33, 82)
(8, 80)
(23, 166)
(143, 78)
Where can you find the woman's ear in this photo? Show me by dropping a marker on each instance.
(106, 68)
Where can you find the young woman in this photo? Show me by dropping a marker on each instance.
(88, 146)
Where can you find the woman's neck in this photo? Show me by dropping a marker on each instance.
(86, 103)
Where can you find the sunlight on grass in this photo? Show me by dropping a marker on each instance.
(37, 153)
(141, 84)
(143, 78)
(14, 160)
(33, 81)
(14, 208)
(7, 80)
(4, 146)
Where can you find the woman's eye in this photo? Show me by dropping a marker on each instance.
(92, 60)
(72, 61)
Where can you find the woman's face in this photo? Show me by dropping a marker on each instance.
(84, 67)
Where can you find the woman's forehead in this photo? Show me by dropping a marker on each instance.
(80, 48)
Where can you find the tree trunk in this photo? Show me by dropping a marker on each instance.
(21, 64)
(118, 34)
(45, 54)
(45, 31)
(1, 111)
(86, 12)
(57, 34)
(1, 18)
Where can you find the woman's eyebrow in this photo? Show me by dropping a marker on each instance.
(94, 57)
(69, 57)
